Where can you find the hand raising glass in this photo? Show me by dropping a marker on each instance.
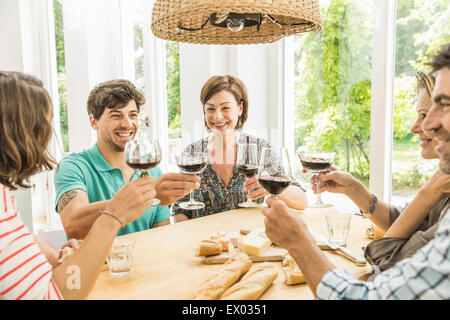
(316, 163)
(192, 161)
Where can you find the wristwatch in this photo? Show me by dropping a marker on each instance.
(373, 202)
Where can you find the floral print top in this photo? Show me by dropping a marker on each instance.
(216, 196)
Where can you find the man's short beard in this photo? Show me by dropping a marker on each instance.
(116, 147)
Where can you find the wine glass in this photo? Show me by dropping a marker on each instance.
(316, 163)
(275, 173)
(247, 162)
(143, 153)
(192, 161)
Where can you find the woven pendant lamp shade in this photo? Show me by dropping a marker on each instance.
(189, 20)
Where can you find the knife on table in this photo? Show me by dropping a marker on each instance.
(338, 248)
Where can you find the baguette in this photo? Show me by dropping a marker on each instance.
(253, 283)
(213, 287)
(209, 247)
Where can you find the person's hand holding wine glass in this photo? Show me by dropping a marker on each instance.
(334, 181)
(192, 160)
(316, 163)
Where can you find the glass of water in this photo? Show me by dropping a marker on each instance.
(338, 224)
(120, 257)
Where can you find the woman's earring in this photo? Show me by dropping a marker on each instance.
(239, 124)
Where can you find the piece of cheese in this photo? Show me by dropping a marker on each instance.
(256, 242)
(293, 276)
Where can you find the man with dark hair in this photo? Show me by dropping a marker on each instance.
(426, 275)
(86, 182)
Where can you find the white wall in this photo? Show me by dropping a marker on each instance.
(22, 50)
(11, 50)
(11, 59)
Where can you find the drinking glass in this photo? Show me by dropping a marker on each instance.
(317, 163)
(247, 162)
(192, 161)
(120, 258)
(143, 153)
(338, 224)
(275, 173)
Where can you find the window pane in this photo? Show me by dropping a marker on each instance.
(173, 94)
(173, 89)
(61, 69)
(333, 72)
(138, 30)
(422, 27)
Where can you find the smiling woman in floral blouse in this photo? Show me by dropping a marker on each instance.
(223, 187)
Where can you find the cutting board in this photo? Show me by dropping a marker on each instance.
(321, 245)
(273, 253)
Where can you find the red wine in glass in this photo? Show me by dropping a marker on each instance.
(248, 170)
(143, 166)
(316, 164)
(193, 168)
(274, 185)
(275, 173)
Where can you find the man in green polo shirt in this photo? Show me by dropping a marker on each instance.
(85, 182)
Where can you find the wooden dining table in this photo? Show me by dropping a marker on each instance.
(165, 266)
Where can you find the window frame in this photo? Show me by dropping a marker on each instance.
(382, 109)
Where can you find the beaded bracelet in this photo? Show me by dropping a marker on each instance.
(112, 215)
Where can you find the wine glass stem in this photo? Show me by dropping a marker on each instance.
(249, 201)
(191, 197)
(144, 173)
(319, 199)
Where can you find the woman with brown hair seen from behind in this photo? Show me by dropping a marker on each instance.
(223, 186)
(29, 267)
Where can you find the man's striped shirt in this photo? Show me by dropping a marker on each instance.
(426, 275)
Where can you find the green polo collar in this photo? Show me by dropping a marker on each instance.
(98, 161)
